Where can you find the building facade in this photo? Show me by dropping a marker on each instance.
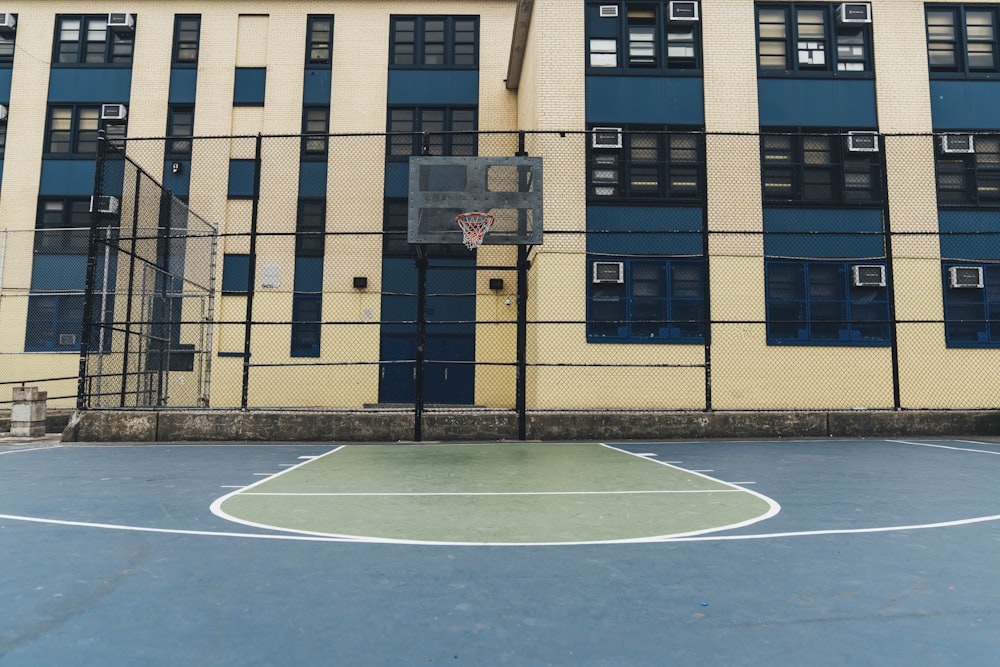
(748, 205)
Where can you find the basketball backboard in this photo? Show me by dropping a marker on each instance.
(510, 188)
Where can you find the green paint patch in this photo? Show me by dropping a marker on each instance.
(494, 494)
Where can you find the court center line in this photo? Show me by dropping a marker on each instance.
(957, 449)
(497, 493)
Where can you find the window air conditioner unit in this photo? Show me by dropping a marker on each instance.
(113, 111)
(854, 12)
(104, 204)
(606, 137)
(67, 339)
(868, 275)
(683, 11)
(3, 112)
(965, 276)
(121, 22)
(608, 11)
(862, 142)
(958, 143)
(609, 272)
(7, 23)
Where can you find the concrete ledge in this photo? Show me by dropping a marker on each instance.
(487, 425)
(55, 420)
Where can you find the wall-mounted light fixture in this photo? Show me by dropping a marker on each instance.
(360, 282)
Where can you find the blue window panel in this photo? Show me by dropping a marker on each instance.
(823, 233)
(249, 87)
(235, 271)
(817, 303)
(113, 177)
(397, 179)
(638, 99)
(972, 314)
(309, 274)
(183, 85)
(316, 88)
(970, 235)
(312, 179)
(68, 177)
(965, 105)
(817, 102)
(5, 74)
(661, 300)
(454, 87)
(180, 183)
(54, 323)
(1, 175)
(80, 85)
(645, 230)
(59, 272)
(307, 314)
(241, 179)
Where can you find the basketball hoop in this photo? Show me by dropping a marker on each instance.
(474, 226)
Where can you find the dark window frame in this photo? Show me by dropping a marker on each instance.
(969, 180)
(452, 41)
(180, 131)
(660, 301)
(971, 314)
(310, 227)
(799, 165)
(235, 267)
(820, 288)
(116, 50)
(659, 37)
(430, 130)
(306, 328)
(825, 51)
(184, 42)
(962, 41)
(77, 136)
(8, 43)
(315, 133)
(655, 163)
(319, 54)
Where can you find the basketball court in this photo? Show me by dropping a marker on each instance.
(822, 552)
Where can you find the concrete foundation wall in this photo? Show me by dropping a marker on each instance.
(374, 426)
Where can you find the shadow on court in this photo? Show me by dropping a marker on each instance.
(883, 553)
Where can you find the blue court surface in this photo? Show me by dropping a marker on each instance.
(817, 552)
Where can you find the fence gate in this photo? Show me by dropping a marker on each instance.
(148, 308)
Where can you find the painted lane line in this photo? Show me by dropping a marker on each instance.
(264, 474)
(957, 449)
(232, 487)
(492, 493)
(741, 483)
(976, 442)
(647, 454)
(702, 471)
(307, 458)
(32, 449)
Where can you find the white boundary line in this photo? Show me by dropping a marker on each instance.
(498, 493)
(957, 449)
(31, 449)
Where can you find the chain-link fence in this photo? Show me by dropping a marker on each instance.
(679, 271)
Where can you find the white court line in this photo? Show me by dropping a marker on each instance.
(31, 449)
(957, 449)
(499, 493)
(976, 442)
(647, 454)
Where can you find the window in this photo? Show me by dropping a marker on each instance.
(235, 273)
(972, 305)
(806, 39)
(962, 40)
(818, 303)
(3, 138)
(54, 323)
(180, 128)
(315, 125)
(72, 130)
(818, 168)
(645, 163)
(62, 226)
(241, 179)
(434, 41)
(249, 86)
(187, 32)
(87, 40)
(640, 37)
(310, 228)
(7, 46)
(395, 222)
(968, 170)
(307, 318)
(658, 300)
(319, 40)
(431, 131)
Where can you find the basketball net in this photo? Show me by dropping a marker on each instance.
(474, 226)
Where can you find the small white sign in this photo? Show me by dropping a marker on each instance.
(270, 276)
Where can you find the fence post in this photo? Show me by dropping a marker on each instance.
(521, 389)
(421, 355)
(88, 293)
(251, 272)
(889, 280)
